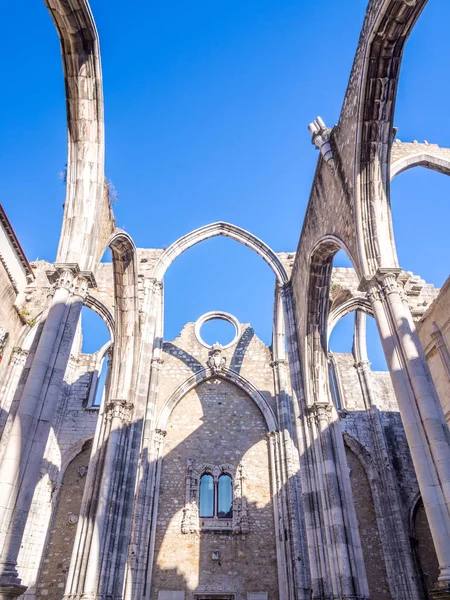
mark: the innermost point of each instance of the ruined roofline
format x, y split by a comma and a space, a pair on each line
14, 240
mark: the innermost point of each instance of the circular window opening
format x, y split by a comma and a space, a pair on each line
217, 331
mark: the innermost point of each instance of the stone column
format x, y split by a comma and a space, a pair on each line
394, 536
16, 365
442, 348
345, 560
297, 580
21, 462
423, 419
139, 567
156, 460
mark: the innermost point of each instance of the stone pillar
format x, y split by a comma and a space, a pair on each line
297, 580
140, 559
156, 460
347, 578
423, 419
146, 494
442, 348
21, 462
16, 365
394, 536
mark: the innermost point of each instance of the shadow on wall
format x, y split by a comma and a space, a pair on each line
62, 530
214, 424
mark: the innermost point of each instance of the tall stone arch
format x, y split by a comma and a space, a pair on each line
227, 230
244, 391
406, 155
88, 220
227, 375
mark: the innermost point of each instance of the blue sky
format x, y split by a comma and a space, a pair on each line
206, 107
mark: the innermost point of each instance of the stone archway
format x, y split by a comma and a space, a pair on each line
221, 229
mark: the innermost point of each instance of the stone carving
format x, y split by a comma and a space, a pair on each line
120, 409
321, 140
82, 471
320, 413
158, 439
18, 356
216, 362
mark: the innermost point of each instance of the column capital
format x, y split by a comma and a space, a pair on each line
319, 412
120, 409
11, 590
158, 439
385, 281
362, 365
280, 362
65, 274
272, 436
18, 355
10, 582
157, 362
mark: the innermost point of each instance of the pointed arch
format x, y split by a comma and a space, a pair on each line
320, 270
226, 230
341, 311
441, 164
102, 310
228, 375
126, 313
88, 218
377, 66
68, 456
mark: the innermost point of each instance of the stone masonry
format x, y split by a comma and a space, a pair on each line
338, 477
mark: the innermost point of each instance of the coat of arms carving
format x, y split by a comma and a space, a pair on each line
216, 362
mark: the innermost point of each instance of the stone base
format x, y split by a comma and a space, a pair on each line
440, 593
12, 590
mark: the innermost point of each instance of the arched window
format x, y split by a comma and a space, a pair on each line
215, 498
225, 497
206, 495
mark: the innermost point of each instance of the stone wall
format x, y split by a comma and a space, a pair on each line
368, 529
426, 554
434, 333
61, 536
216, 423
185, 355
10, 321
359, 429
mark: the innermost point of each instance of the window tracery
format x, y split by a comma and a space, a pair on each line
215, 498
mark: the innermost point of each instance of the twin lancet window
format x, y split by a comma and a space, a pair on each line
216, 497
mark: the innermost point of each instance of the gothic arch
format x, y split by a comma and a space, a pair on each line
88, 218
228, 375
338, 313
221, 229
364, 458
126, 314
28, 335
103, 311
386, 29
441, 164
370, 513
320, 269
70, 454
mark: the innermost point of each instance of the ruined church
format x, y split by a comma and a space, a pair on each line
159, 469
